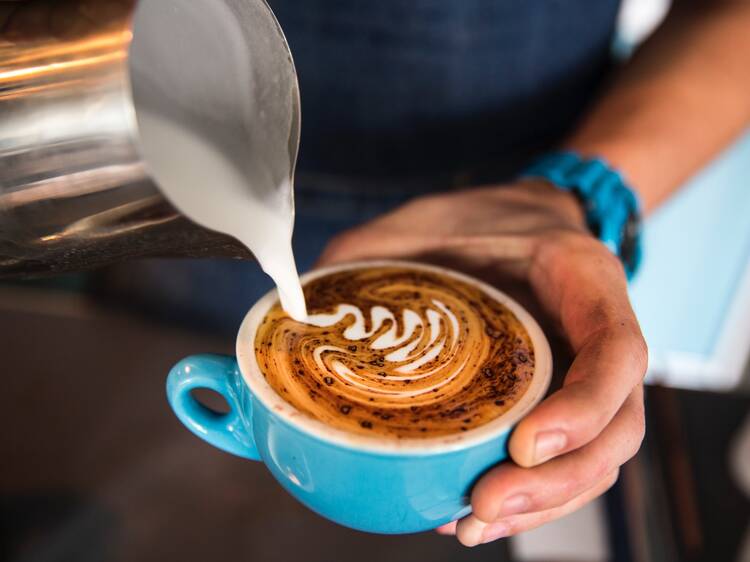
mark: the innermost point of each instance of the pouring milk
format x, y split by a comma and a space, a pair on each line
218, 119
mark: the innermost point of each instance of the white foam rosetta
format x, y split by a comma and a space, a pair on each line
396, 352
422, 339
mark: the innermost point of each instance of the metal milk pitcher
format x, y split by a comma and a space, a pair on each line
75, 190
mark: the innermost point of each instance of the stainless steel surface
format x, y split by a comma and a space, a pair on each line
74, 191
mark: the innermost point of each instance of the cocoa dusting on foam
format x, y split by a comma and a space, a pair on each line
397, 352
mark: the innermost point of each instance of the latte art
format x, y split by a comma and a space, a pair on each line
397, 351
432, 338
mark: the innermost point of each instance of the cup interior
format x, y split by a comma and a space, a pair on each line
255, 380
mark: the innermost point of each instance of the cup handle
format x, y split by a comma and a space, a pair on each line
219, 373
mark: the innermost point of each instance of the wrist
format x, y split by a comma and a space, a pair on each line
611, 208
563, 204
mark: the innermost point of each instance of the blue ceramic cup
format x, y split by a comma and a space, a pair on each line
373, 484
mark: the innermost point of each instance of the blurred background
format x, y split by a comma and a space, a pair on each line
94, 466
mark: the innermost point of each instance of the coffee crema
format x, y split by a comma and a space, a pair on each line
398, 352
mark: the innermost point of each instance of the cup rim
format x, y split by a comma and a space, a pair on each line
274, 403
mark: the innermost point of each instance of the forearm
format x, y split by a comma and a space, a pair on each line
679, 101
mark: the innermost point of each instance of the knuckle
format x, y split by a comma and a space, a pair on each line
627, 334
585, 477
513, 525
490, 490
641, 352
591, 467
640, 435
484, 506
574, 480
569, 487
640, 420
637, 346
637, 443
612, 478
638, 430
601, 468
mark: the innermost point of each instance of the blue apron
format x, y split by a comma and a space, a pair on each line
394, 88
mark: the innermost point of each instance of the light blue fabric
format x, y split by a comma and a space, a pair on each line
696, 248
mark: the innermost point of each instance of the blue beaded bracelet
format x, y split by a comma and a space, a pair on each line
612, 208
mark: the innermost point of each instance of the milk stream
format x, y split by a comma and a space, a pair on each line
208, 189
216, 106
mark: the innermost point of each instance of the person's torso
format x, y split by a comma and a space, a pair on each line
428, 87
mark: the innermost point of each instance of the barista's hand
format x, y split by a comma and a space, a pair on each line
569, 449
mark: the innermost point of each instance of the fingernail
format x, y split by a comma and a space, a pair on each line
495, 531
514, 504
547, 444
470, 531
